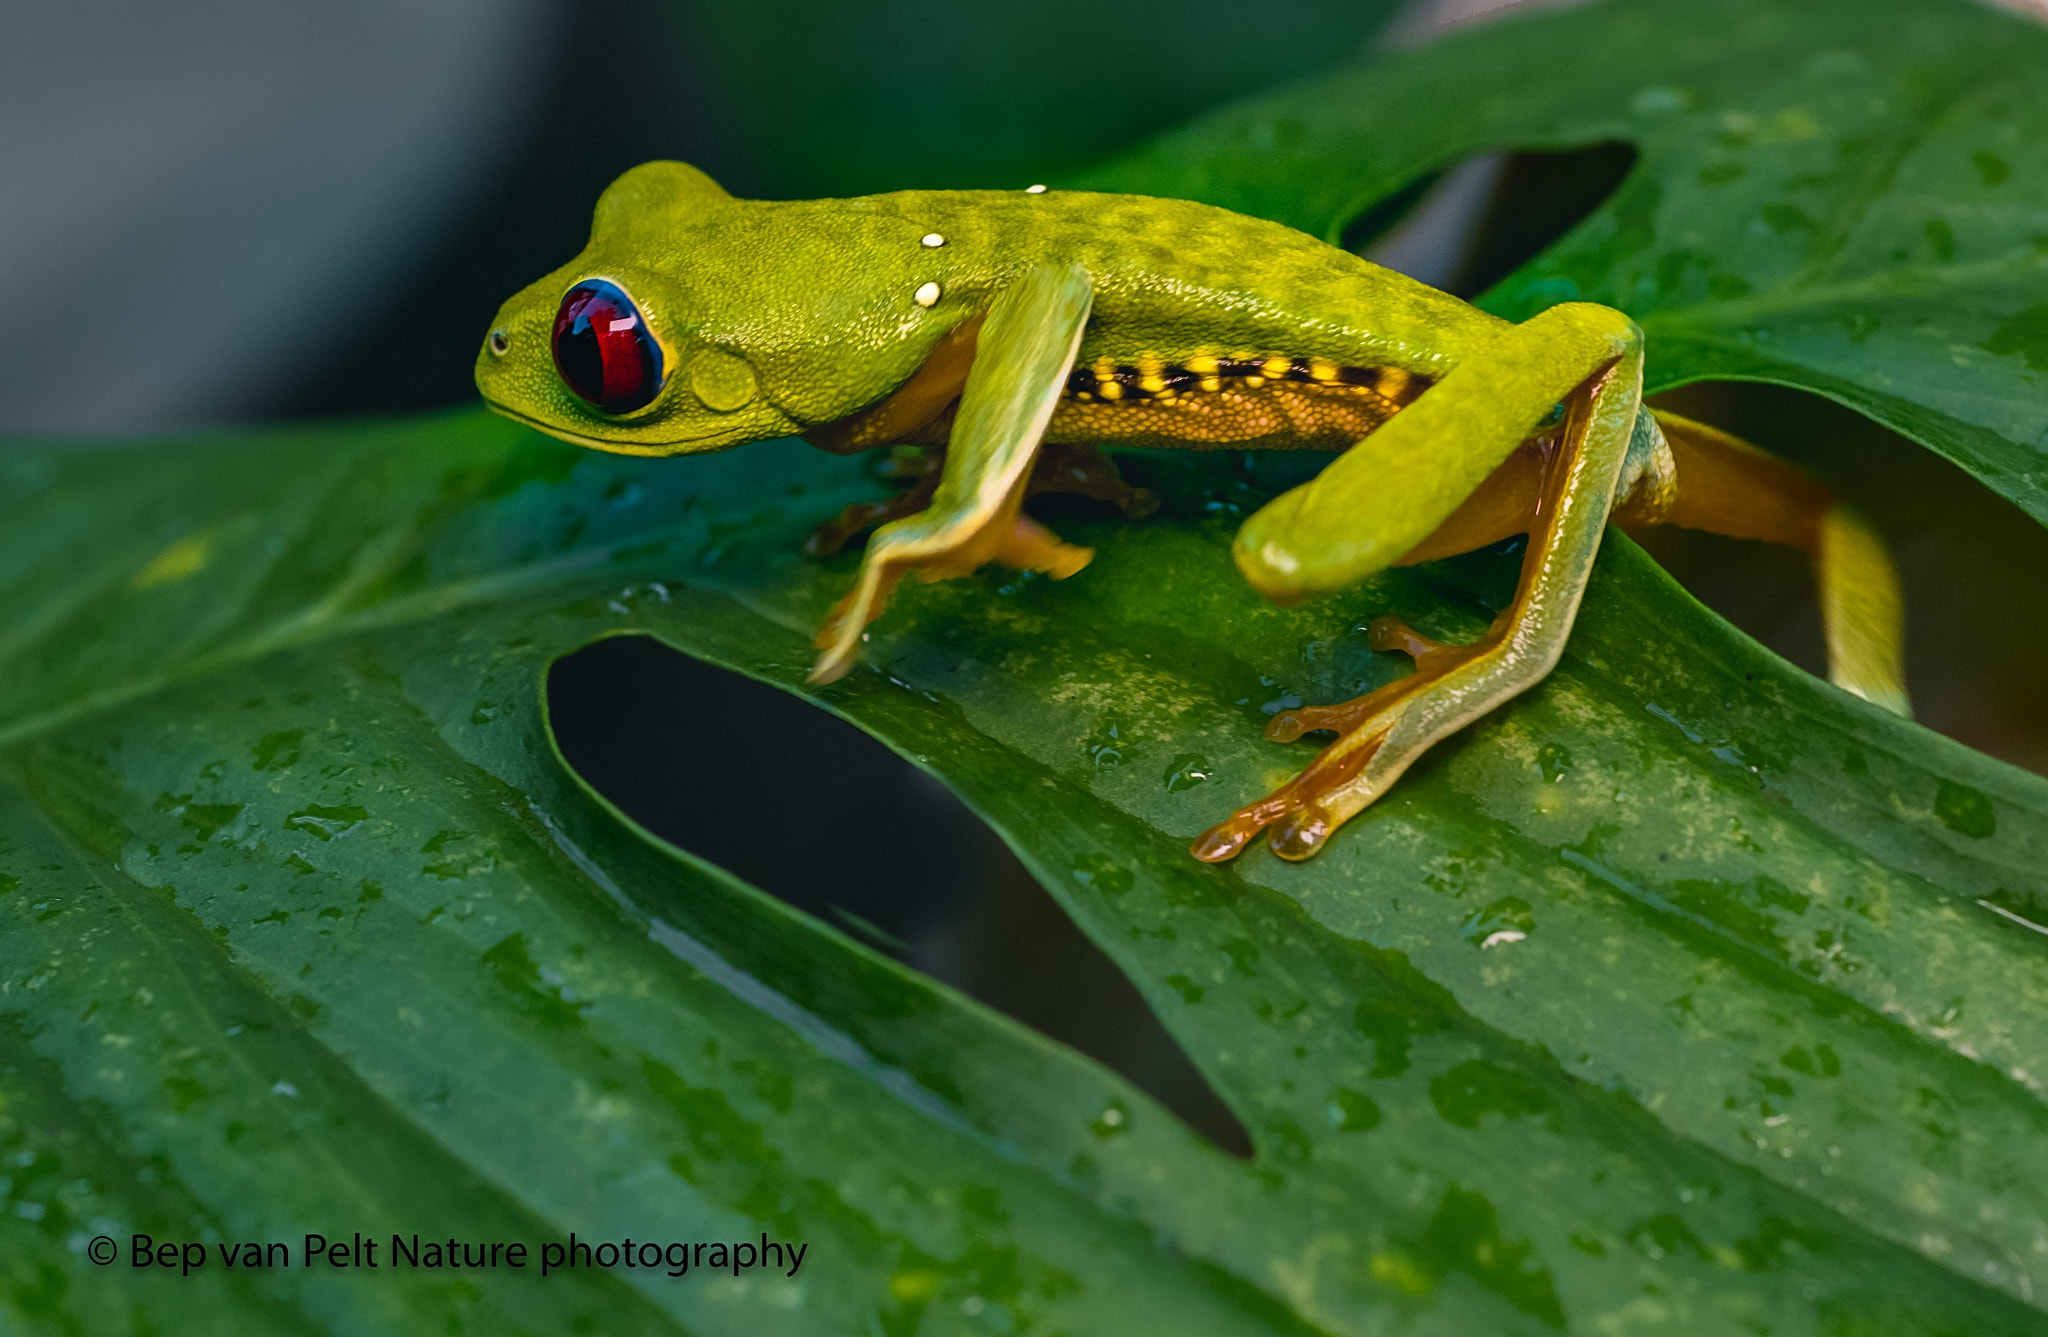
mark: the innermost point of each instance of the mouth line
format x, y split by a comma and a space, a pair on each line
665, 447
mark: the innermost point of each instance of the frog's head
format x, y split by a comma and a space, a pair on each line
621, 348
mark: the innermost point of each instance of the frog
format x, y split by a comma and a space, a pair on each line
1009, 338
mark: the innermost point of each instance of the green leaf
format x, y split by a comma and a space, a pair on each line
1689, 994
309, 931
1846, 196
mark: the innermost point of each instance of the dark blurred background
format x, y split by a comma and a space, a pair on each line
224, 209
227, 210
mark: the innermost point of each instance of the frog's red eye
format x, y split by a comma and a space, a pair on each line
603, 350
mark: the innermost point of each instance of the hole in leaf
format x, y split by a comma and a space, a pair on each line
1381, 220
1541, 196
1470, 226
1974, 567
884, 852
1425, 229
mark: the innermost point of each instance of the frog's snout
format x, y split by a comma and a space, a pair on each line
499, 342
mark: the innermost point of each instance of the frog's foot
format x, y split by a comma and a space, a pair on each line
1303, 812
1018, 542
923, 472
1087, 472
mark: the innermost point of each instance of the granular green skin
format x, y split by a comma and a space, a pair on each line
819, 297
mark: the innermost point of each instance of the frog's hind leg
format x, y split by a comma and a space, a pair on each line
1587, 356
1726, 486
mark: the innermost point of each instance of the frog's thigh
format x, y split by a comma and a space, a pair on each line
1025, 350
1588, 356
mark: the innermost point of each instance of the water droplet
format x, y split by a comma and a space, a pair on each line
1965, 811
1506, 920
206, 819
274, 752
1102, 873
1106, 747
1188, 770
1351, 1111
325, 822
1660, 100
1475, 1088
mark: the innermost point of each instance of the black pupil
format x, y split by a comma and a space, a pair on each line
603, 351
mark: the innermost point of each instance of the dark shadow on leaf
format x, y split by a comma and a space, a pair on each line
861, 839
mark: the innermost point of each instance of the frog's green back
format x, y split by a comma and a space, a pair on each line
1175, 279
836, 303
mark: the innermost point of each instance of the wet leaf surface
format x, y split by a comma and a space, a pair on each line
1689, 991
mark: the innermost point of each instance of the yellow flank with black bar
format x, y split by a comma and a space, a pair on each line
1152, 378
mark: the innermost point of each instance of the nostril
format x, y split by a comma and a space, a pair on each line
500, 342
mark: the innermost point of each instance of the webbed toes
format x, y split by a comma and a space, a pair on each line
1294, 814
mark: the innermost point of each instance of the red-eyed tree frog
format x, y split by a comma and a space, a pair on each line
1018, 332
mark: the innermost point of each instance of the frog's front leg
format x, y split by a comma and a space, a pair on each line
1023, 353
1386, 495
